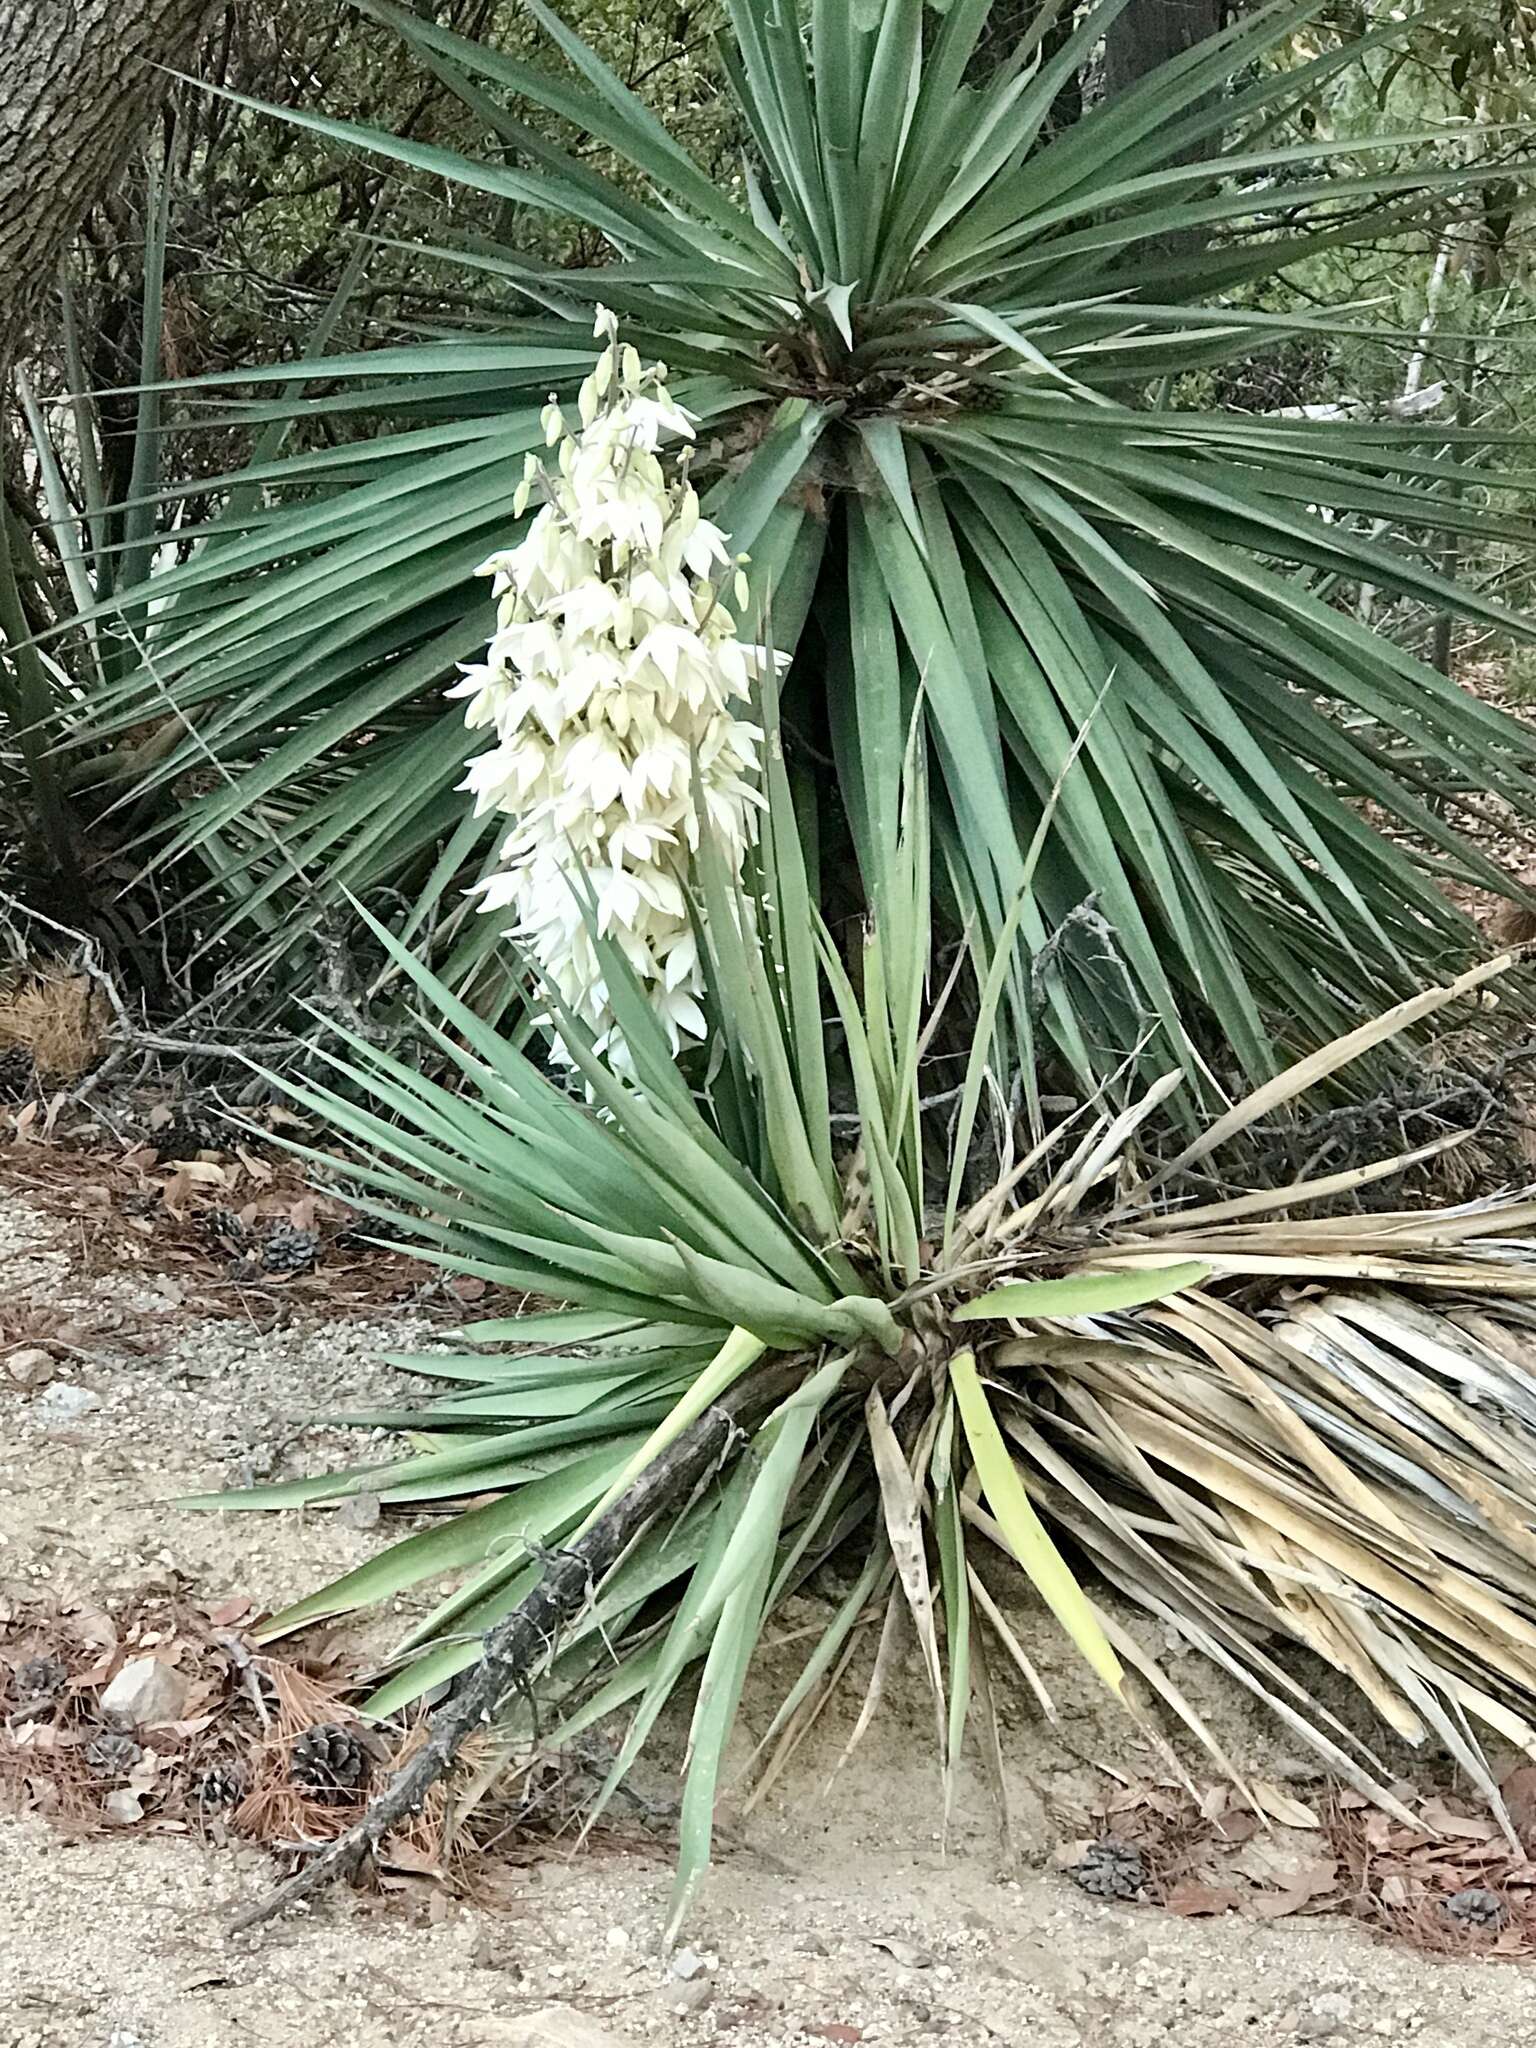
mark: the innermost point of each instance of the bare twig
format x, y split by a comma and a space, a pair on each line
90, 964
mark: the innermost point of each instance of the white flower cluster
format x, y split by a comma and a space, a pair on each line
610, 683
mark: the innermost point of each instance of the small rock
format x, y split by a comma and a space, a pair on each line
124, 1806
30, 1368
361, 1511
688, 1964
691, 1997
618, 1938
907, 1953
145, 1694
63, 1402
812, 1945
1325, 2018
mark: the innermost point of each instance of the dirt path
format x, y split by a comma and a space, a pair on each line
119, 1940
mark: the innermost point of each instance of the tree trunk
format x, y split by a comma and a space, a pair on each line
1149, 32
78, 80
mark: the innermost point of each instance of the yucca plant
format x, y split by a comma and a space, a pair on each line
938, 350
762, 1353
79, 582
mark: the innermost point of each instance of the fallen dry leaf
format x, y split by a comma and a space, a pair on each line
228, 1612
1191, 1900
1471, 1827
1314, 1882
206, 1173
1275, 1802
1519, 1790
402, 1855
1237, 1827
1282, 1865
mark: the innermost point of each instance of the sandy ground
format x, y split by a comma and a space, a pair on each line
121, 1941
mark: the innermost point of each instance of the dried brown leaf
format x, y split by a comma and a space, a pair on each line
1191, 1899
1472, 1827
1277, 1804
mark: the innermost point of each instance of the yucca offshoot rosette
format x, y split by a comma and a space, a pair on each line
928, 336
1265, 1430
615, 683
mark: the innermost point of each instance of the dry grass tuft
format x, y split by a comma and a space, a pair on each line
275, 1809
59, 1016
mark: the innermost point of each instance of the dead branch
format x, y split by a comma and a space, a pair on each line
519, 1645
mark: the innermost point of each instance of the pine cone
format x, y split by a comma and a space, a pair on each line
221, 1786
329, 1762
1476, 1907
113, 1756
366, 1232
40, 1679
288, 1249
18, 1070
1110, 1870
185, 1136
227, 1227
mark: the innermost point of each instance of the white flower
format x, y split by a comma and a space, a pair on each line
614, 684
